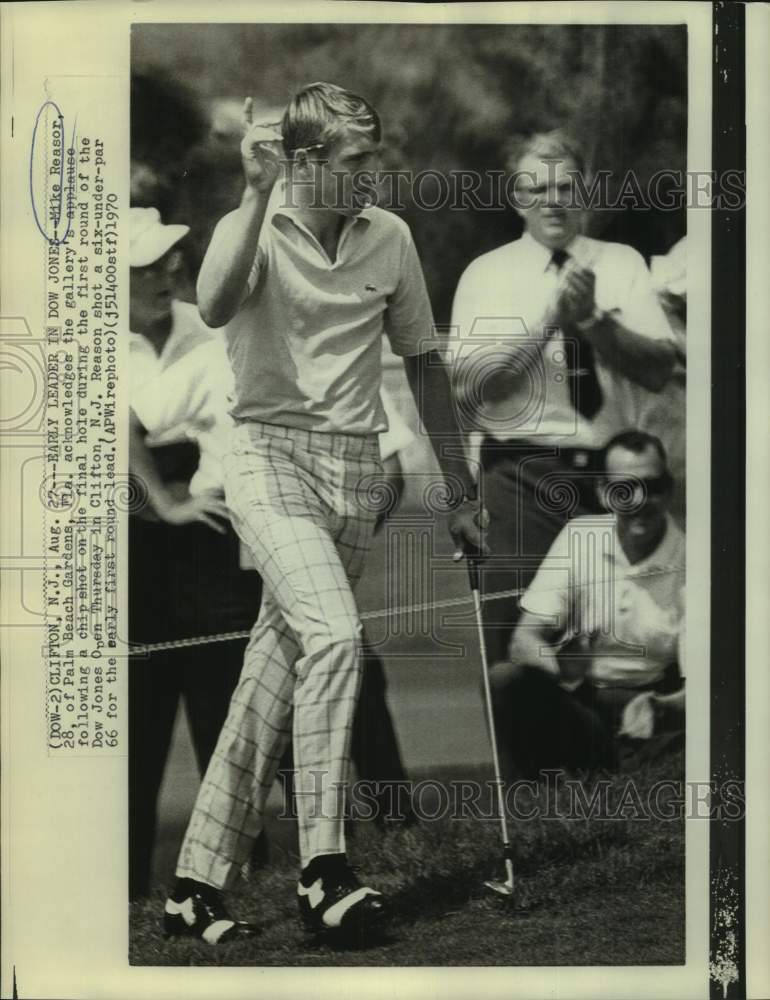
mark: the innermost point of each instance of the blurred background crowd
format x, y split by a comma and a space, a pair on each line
451, 97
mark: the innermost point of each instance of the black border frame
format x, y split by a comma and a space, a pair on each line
727, 840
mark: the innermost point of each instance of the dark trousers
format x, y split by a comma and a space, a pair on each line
530, 493
542, 726
184, 581
374, 749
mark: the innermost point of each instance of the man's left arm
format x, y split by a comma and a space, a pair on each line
675, 701
410, 330
640, 359
432, 392
635, 339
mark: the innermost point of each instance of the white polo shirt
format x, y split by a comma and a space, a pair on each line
190, 398
500, 303
629, 618
305, 345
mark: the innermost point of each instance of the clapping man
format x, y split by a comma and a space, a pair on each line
560, 336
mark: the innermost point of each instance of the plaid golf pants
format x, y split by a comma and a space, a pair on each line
299, 501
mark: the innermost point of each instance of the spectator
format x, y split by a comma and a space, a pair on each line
663, 414
559, 334
597, 652
184, 574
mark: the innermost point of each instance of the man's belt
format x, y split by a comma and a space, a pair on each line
576, 458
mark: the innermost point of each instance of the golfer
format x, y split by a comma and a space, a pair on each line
307, 276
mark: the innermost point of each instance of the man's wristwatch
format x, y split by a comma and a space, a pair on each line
597, 316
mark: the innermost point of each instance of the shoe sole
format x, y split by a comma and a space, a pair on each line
175, 926
354, 924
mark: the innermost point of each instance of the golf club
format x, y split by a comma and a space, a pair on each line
503, 888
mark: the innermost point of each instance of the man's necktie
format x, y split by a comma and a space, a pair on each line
585, 392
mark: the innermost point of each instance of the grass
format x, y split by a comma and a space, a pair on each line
589, 892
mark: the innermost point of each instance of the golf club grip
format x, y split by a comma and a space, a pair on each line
473, 558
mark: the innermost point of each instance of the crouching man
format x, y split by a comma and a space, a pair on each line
597, 654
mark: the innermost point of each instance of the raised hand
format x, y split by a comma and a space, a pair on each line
261, 151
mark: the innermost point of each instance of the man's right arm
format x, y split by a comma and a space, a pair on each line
230, 255
229, 259
493, 352
162, 499
534, 644
545, 615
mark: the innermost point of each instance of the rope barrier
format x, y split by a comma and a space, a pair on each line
395, 612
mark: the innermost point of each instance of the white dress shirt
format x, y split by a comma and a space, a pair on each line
500, 303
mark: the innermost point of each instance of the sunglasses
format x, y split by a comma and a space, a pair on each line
276, 127
622, 492
169, 263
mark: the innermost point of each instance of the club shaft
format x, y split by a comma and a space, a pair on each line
492, 729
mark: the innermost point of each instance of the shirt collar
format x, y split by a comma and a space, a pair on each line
666, 552
277, 206
663, 555
138, 341
578, 247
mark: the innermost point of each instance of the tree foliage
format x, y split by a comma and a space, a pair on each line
452, 97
